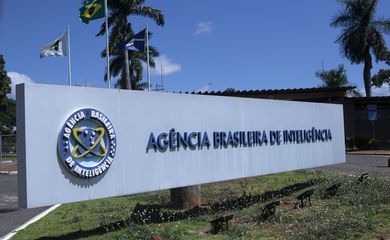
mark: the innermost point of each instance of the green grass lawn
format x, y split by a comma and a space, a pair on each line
358, 211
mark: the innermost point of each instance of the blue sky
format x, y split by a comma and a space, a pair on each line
205, 45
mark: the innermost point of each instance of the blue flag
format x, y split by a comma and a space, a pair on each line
137, 42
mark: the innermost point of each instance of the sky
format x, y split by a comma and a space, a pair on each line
204, 45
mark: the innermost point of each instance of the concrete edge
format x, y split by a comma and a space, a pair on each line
8, 172
369, 153
31, 221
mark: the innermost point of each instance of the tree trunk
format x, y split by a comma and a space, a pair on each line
367, 73
186, 197
127, 70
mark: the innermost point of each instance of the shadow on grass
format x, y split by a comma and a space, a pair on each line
79, 234
149, 214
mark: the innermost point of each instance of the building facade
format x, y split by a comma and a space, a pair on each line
356, 122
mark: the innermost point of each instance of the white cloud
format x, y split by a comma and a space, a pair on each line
203, 27
17, 78
168, 66
382, 91
377, 92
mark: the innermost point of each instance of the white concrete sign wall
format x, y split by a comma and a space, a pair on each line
77, 143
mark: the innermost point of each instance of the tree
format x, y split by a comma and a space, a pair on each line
336, 78
117, 68
333, 78
7, 106
362, 35
121, 31
5, 81
229, 90
383, 76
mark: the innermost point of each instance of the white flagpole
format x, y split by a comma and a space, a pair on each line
69, 66
107, 45
147, 55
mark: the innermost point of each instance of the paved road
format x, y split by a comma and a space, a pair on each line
359, 164
11, 216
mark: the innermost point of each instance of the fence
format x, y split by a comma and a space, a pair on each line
8, 148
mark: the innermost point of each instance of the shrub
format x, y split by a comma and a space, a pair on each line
361, 142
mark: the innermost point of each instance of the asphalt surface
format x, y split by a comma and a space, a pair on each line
359, 164
12, 217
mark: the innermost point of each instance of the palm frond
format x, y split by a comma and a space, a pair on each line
378, 45
151, 13
333, 78
383, 76
382, 25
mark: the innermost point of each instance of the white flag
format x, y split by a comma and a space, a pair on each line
55, 48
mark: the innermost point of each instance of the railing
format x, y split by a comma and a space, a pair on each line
8, 148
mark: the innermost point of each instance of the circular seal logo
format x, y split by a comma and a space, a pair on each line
87, 143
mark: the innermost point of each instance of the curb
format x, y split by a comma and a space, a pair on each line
8, 172
368, 153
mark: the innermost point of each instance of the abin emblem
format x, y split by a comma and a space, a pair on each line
87, 143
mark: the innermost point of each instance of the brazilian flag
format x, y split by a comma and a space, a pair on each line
92, 11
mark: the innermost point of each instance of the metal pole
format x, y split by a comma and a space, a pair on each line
69, 66
147, 56
161, 80
127, 70
107, 45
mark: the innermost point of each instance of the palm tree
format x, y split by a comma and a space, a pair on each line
336, 78
362, 35
333, 78
120, 31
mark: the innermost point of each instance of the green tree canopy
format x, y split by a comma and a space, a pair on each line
336, 78
362, 35
383, 76
5, 81
333, 78
7, 106
229, 90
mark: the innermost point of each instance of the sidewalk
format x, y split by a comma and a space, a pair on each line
370, 152
8, 167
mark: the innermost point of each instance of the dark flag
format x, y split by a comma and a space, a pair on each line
137, 42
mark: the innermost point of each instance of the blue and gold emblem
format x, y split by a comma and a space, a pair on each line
87, 143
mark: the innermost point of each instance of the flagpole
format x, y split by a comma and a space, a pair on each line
69, 66
147, 56
127, 70
107, 45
